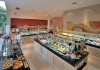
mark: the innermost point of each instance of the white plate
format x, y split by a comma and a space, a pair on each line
77, 58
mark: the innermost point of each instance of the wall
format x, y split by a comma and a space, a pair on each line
57, 23
83, 19
23, 21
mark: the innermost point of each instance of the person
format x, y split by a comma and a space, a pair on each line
83, 45
1, 43
17, 29
18, 38
71, 47
50, 31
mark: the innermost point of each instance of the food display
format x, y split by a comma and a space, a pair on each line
92, 43
29, 33
89, 41
33, 33
61, 48
25, 64
14, 60
7, 63
17, 64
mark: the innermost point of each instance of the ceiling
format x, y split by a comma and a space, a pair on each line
45, 7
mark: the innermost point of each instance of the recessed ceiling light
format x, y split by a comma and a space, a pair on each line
74, 3
81, 2
17, 8
15, 13
83, 5
32, 10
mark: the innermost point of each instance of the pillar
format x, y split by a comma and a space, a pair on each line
49, 22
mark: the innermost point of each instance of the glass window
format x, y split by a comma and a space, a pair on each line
2, 6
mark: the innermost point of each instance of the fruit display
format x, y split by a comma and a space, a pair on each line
7, 63
17, 64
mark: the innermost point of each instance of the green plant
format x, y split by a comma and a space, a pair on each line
2, 17
2, 9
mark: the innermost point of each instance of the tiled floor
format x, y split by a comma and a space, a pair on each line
37, 63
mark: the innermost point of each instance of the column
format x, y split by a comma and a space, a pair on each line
49, 22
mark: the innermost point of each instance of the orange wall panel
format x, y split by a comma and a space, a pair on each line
22, 21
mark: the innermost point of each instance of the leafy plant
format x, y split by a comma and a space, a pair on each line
2, 9
2, 18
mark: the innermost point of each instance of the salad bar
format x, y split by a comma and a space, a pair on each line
75, 59
91, 42
33, 33
29, 36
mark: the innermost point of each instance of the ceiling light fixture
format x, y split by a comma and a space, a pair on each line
81, 2
17, 8
74, 3
32, 10
15, 13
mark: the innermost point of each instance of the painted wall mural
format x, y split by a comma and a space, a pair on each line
83, 28
95, 24
85, 19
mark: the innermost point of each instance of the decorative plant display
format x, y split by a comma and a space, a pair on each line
2, 17
3, 27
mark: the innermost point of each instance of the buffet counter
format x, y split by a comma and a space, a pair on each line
92, 44
59, 60
13, 57
29, 36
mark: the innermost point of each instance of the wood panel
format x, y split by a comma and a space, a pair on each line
57, 22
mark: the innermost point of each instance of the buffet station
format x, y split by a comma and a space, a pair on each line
62, 54
12, 57
92, 42
29, 36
